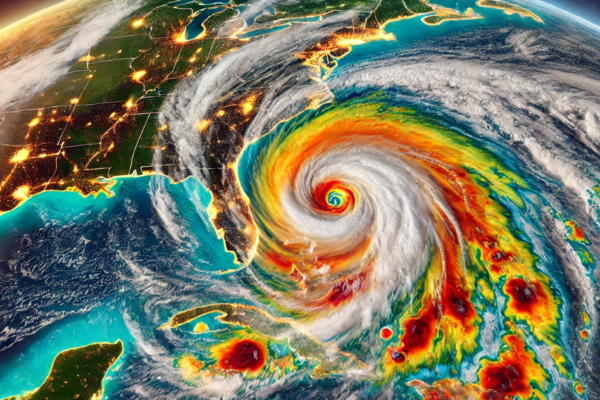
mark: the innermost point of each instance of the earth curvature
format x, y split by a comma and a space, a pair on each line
347, 199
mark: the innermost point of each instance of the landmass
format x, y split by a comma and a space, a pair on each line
515, 374
330, 360
77, 373
320, 8
100, 120
448, 14
509, 9
41, 29
392, 10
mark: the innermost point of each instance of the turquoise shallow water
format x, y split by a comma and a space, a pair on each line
26, 364
26, 369
196, 252
260, 32
316, 18
412, 31
63, 208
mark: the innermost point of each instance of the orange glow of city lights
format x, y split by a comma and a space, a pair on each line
34, 122
87, 58
138, 75
180, 38
20, 156
202, 125
22, 193
138, 23
248, 105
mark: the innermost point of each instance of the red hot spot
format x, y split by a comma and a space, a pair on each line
245, 355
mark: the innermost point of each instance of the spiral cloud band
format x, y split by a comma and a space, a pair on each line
315, 199
438, 214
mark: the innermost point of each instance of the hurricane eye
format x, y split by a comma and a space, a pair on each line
333, 197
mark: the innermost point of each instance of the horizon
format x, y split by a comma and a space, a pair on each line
13, 11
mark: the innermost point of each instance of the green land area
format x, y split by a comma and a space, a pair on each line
77, 373
101, 119
389, 10
509, 8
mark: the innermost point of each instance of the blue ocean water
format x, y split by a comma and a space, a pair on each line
95, 269
411, 32
26, 366
85, 265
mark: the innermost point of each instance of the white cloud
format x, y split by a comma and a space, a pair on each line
30, 76
269, 63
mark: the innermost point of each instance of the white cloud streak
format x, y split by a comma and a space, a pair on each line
30, 76
269, 62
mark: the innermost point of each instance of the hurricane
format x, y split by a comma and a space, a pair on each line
375, 212
336, 201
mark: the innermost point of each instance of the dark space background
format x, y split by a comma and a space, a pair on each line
13, 10
586, 9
